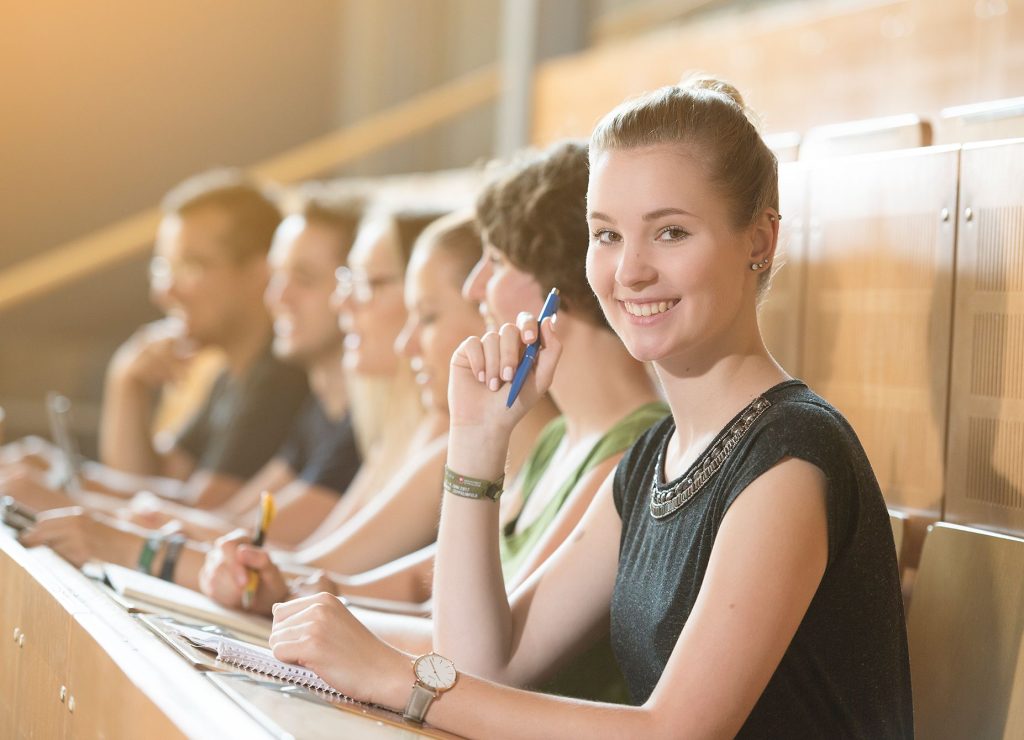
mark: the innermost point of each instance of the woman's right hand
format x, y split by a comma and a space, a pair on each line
226, 572
482, 369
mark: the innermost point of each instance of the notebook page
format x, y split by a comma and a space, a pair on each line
134, 585
261, 660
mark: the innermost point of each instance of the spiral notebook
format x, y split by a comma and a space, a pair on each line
256, 659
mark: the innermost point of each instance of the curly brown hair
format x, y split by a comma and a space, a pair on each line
535, 213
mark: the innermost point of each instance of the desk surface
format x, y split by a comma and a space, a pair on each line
199, 704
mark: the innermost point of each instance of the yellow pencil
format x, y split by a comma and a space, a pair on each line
267, 511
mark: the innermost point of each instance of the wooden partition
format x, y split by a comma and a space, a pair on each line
864, 137
985, 482
75, 664
878, 309
987, 121
805, 64
965, 624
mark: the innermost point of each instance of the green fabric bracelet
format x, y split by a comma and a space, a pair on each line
174, 545
148, 554
466, 487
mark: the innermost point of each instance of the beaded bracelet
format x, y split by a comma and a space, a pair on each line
149, 550
476, 488
174, 545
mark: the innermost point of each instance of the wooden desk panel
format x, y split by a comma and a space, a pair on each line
878, 309
120, 680
985, 484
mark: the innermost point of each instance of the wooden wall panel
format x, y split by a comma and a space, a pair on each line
780, 314
985, 484
44, 655
878, 308
964, 627
805, 64
107, 704
11, 580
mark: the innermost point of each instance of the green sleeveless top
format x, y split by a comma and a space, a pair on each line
516, 547
594, 674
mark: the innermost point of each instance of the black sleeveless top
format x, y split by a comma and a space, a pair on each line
847, 672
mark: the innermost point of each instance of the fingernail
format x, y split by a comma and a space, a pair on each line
493, 385
554, 319
506, 374
528, 335
480, 376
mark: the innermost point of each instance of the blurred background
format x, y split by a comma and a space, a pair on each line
107, 105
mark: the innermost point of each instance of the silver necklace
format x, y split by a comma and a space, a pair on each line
667, 497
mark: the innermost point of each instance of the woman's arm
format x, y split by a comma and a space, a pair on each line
765, 567
400, 519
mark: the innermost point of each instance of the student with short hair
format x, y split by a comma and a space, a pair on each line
210, 265
741, 551
210, 272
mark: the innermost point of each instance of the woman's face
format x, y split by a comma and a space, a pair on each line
302, 259
439, 319
670, 271
501, 289
368, 298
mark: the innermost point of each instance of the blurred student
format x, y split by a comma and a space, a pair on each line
439, 317
533, 216
318, 459
210, 271
741, 552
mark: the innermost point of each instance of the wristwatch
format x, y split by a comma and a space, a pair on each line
435, 674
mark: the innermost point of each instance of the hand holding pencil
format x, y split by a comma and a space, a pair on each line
266, 515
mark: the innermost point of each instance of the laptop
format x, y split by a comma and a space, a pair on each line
64, 473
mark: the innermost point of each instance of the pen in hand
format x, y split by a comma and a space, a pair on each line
530, 356
267, 511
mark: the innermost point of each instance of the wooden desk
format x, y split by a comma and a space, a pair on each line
75, 664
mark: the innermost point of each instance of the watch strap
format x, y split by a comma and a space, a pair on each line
419, 703
477, 488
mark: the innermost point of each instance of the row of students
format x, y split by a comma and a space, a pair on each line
738, 556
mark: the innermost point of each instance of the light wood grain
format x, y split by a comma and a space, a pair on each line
878, 305
803, 64
985, 483
965, 624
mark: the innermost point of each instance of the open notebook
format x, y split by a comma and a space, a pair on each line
163, 595
254, 658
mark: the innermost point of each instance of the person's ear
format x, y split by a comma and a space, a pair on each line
764, 237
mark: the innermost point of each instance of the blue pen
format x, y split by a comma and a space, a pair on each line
530, 356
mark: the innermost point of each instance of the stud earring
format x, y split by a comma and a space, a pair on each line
759, 265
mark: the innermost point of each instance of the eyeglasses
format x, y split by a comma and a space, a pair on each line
362, 287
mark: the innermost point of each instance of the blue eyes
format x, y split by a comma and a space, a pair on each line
667, 234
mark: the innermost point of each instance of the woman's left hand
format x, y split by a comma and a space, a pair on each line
319, 633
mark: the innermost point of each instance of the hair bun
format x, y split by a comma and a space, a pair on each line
714, 85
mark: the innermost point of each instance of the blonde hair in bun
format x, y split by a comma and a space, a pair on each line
710, 116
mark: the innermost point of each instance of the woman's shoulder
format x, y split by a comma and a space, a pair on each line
797, 416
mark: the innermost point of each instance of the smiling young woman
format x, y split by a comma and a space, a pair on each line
741, 549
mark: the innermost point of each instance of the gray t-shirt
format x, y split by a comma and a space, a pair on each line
847, 671
244, 420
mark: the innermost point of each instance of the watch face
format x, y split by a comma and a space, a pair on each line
435, 671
